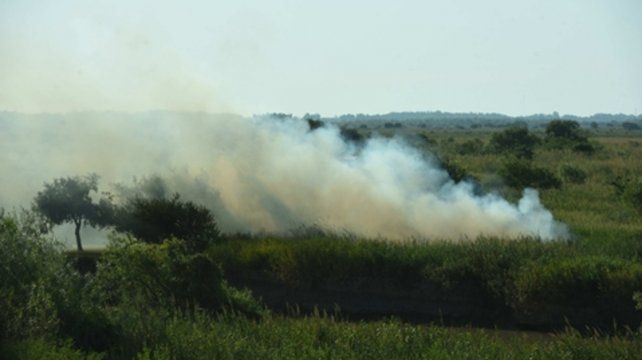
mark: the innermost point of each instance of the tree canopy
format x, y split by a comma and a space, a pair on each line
566, 129
69, 200
516, 141
154, 220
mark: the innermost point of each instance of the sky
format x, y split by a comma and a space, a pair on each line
328, 57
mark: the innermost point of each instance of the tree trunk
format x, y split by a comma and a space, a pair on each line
77, 232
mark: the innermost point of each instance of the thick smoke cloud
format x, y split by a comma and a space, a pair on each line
262, 174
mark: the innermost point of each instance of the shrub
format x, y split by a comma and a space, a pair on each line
470, 147
520, 174
622, 181
562, 134
568, 286
564, 129
352, 135
579, 146
41, 295
153, 220
143, 286
167, 276
30, 270
393, 125
584, 147
515, 141
628, 187
573, 174
427, 140
633, 195
630, 126
457, 172
314, 124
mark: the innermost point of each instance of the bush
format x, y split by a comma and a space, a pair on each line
562, 134
622, 181
584, 147
564, 129
566, 287
143, 286
457, 172
514, 141
393, 125
41, 295
314, 124
521, 174
628, 187
494, 275
470, 147
573, 174
167, 276
31, 268
579, 146
633, 195
153, 220
352, 135
630, 126
427, 140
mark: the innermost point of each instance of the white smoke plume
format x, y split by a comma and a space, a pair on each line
263, 174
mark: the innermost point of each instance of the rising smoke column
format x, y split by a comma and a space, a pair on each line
265, 175
286, 175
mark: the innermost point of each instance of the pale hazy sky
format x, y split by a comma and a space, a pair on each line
330, 57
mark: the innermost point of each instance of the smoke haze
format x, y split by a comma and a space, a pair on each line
262, 174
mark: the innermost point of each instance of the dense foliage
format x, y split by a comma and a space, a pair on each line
69, 200
153, 220
562, 134
515, 141
521, 174
537, 282
136, 288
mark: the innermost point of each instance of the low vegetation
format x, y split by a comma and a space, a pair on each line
523, 281
149, 301
169, 285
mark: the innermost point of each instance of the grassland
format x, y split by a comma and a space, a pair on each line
588, 280
322, 337
153, 301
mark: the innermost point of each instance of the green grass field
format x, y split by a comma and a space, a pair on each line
322, 337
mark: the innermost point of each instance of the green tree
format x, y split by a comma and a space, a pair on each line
630, 126
457, 172
521, 174
516, 141
567, 134
154, 220
564, 129
69, 200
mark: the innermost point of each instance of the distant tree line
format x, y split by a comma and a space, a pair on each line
439, 119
